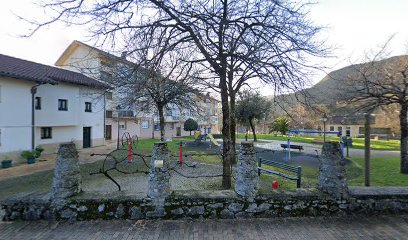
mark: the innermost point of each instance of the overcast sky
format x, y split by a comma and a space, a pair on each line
354, 26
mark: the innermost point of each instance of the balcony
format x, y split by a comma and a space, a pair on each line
126, 114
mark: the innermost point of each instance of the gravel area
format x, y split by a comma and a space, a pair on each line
182, 178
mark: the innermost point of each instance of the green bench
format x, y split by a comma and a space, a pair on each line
297, 176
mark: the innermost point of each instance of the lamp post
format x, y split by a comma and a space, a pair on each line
324, 126
118, 109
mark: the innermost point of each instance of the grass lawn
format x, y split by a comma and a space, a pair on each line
146, 145
358, 143
384, 172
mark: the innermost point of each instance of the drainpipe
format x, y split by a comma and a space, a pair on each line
104, 117
33, 92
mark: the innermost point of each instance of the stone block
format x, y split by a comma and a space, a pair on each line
247, 171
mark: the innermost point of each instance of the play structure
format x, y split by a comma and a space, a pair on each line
203, 137
288, 146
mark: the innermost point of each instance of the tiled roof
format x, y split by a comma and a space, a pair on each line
349, 120
32, 71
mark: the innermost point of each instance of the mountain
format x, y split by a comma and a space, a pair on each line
339, 84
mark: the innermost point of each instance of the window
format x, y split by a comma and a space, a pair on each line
348, 131
109, 95
145, 124
331, 128
156, 127
108, 114
62, 105
126, 114
122, 125
88, 107
37, 103
46, 132
339, 129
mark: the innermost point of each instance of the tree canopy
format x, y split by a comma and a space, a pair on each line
280, 124
250, 108
190, 125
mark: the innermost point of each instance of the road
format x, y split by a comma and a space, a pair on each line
311, 149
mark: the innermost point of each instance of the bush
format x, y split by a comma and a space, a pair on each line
32, 154
28, 154
37, 151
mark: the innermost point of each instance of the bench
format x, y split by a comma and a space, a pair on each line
299, 147
291, 169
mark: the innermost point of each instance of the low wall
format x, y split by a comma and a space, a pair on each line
214, 204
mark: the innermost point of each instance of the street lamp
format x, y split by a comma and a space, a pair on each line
118, 109
324, 126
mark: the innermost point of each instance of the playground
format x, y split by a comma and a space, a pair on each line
205, 156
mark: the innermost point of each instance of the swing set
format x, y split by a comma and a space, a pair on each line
297, 131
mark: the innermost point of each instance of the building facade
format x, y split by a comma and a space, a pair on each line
101, 65
353, 126
44, 105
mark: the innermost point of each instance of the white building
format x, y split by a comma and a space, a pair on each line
100, 65
64, 105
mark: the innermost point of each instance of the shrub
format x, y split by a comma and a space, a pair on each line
190, 125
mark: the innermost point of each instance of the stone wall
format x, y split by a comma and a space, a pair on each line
67, 177
159, 177
247, 171
215, 204
331, 178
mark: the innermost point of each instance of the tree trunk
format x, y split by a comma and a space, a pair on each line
161, 117
367, 135
404, 137
226, 132
190, 133
252, 128
233, 122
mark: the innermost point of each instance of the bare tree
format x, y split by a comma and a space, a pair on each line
158, 77
233, 41
382, 82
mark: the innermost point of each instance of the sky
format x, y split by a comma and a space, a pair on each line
352, 27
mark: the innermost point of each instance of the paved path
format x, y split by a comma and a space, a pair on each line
47, 162
357, 227
310, 149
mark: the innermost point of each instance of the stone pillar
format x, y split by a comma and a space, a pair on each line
67, 177
332, 174
159, 177
247, 171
